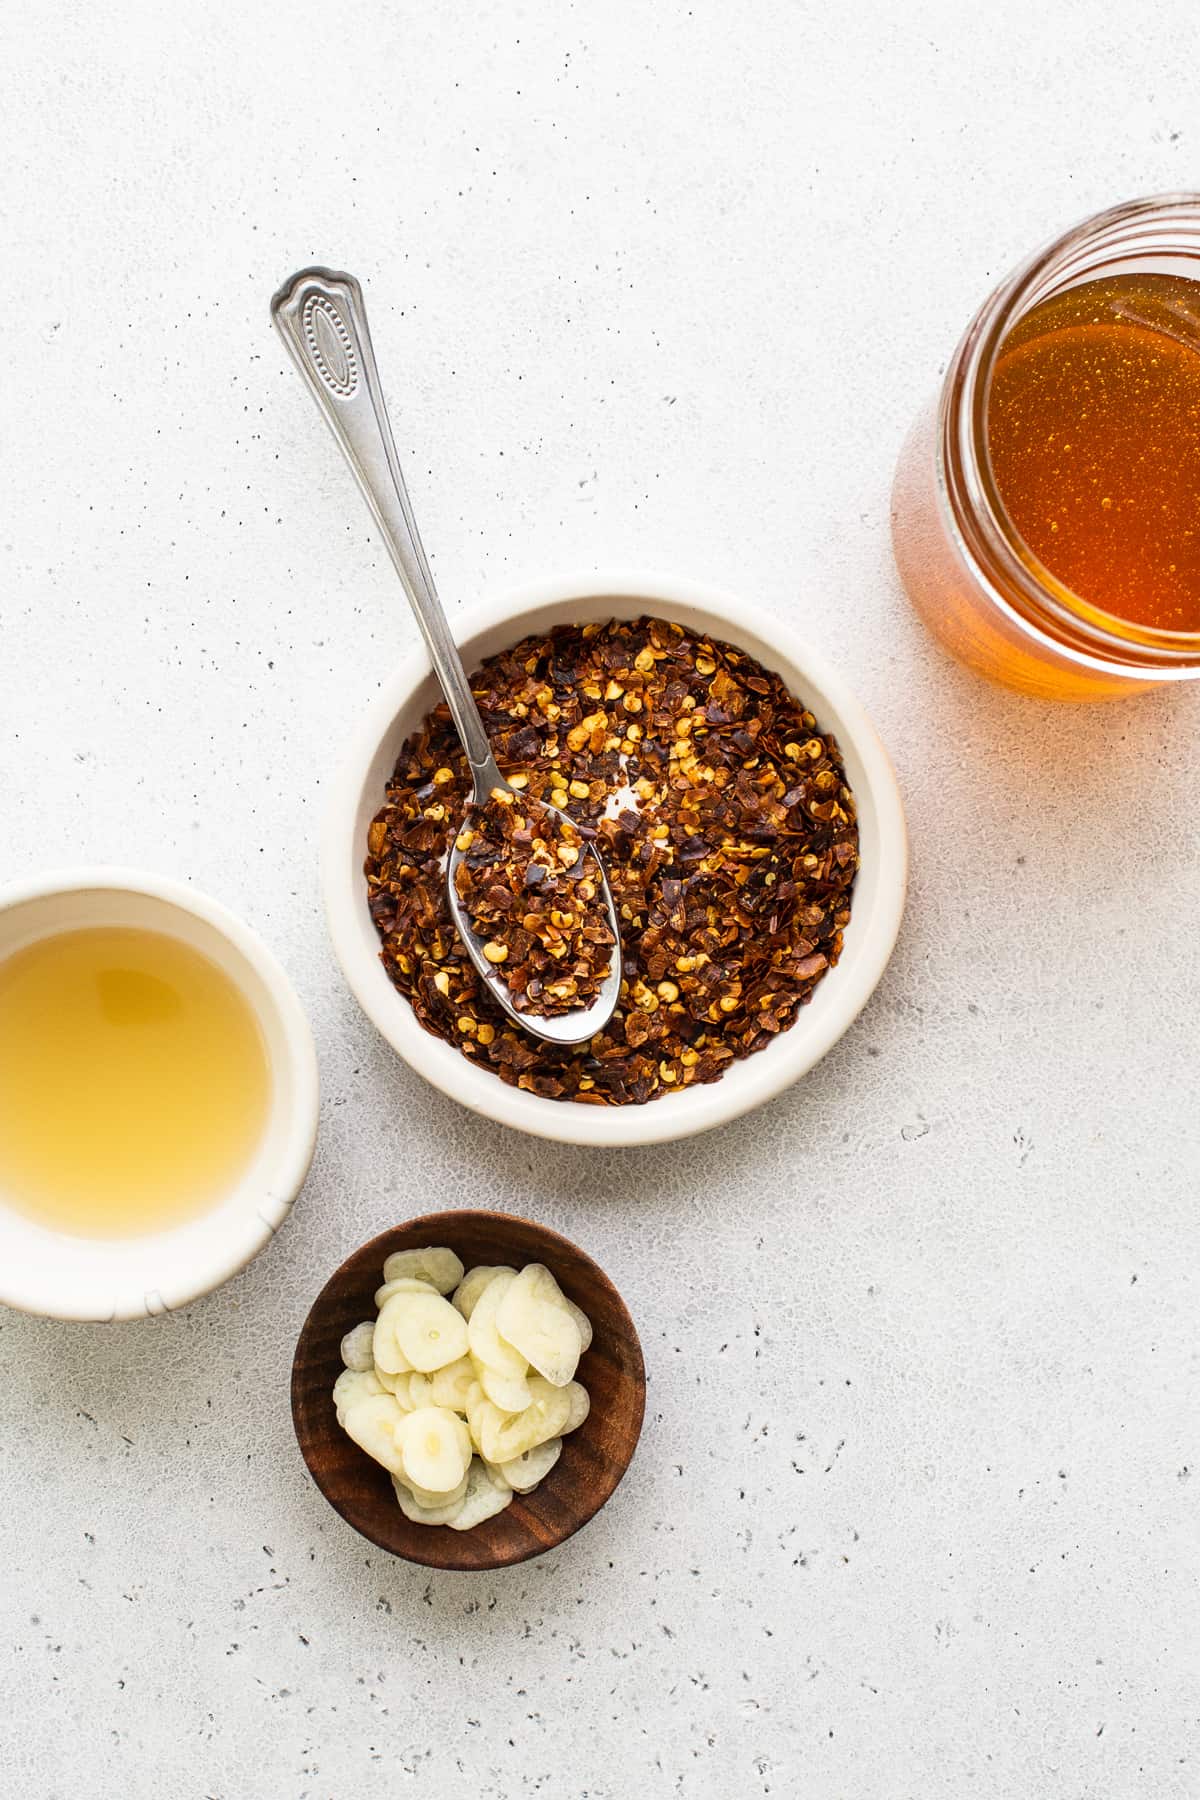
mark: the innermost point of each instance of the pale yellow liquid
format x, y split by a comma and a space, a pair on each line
134, 1082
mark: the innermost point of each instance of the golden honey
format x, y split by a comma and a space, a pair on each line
1046, 507
1093, 429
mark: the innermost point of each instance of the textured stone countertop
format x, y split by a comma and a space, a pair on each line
914, 1516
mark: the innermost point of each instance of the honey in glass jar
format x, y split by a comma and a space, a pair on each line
1046, 512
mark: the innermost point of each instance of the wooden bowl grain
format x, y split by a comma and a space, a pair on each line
593, 1459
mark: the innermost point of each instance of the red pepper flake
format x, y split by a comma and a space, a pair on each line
727, 829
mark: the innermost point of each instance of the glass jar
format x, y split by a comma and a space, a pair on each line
968, 572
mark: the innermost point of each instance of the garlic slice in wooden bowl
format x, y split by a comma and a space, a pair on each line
594, 1455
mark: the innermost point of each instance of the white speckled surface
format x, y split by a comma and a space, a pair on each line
914, 1515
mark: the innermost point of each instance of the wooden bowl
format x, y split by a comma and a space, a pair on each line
593, 1459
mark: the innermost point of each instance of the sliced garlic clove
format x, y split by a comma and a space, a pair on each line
485, 1498
389, 1357
397, 1386
435, 1448
428, 1332
510, 1394
420, 1391
418, 1324
581, 1405
469, 1289
523, 1473
403, 1285
557, 1403
424, 1496
484, 1339
503, 1436
532, 1316
441, 1267
583, 1323
496, 1473
475, 1400
357, 1352
450, 1386
352, 1385
374, 1423
426, 1515
490, 1430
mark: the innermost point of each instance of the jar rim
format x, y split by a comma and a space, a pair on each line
1057, 616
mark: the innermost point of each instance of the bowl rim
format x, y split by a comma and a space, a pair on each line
255, 1225
439, 1538
748, 1083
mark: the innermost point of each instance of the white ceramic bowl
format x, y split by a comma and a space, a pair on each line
66, 1277
404, 700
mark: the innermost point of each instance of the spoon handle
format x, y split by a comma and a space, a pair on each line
321, 317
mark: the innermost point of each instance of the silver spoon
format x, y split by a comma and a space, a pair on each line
322, 319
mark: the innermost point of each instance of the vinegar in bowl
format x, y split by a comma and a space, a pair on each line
134, 1082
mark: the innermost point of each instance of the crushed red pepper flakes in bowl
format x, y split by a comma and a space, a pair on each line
727, 829
532, 897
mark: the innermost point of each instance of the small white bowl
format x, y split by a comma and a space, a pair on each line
67, 1277
358, 793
